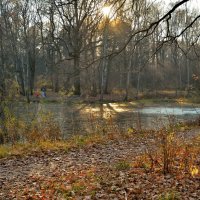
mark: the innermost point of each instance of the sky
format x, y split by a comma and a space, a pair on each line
192, 3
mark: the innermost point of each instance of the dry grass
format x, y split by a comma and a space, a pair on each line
78, 141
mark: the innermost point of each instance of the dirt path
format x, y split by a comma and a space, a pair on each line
51, 175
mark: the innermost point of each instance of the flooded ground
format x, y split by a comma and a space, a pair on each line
80, 118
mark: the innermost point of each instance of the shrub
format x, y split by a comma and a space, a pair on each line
43, 128
13, 129
122, 165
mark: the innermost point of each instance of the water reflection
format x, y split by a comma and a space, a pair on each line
170, 111
89, 118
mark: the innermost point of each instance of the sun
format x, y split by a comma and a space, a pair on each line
106, 11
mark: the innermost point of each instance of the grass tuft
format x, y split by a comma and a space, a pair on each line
173, 195
4, 151
122, 165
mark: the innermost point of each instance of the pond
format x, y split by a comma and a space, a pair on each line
89, 118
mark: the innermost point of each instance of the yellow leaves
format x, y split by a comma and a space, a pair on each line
194, 170
62, 93
4, 151
171, 137
180, 101
130, 130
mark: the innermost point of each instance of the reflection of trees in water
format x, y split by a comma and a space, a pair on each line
83, 118
27, 112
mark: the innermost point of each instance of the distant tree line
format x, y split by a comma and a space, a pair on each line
71, 45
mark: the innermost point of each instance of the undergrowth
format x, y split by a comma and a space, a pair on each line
165, 149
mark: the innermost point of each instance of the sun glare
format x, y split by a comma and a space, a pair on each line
106, 11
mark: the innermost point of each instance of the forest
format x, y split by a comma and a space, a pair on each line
81, 48
99, 99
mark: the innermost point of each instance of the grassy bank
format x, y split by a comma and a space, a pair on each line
43, 133
149, 164
36, 145
79, 141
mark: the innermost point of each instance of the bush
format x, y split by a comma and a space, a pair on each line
12, 128
42, 128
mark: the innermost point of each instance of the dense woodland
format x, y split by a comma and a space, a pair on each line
80, 144
74, 46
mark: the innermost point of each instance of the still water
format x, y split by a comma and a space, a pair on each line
89, 118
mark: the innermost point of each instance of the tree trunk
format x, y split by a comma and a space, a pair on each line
56, 84
20, 77
2, 95
188, 75
77, 86
104, 69
138, 82
32, 72
128, 78
107, 75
